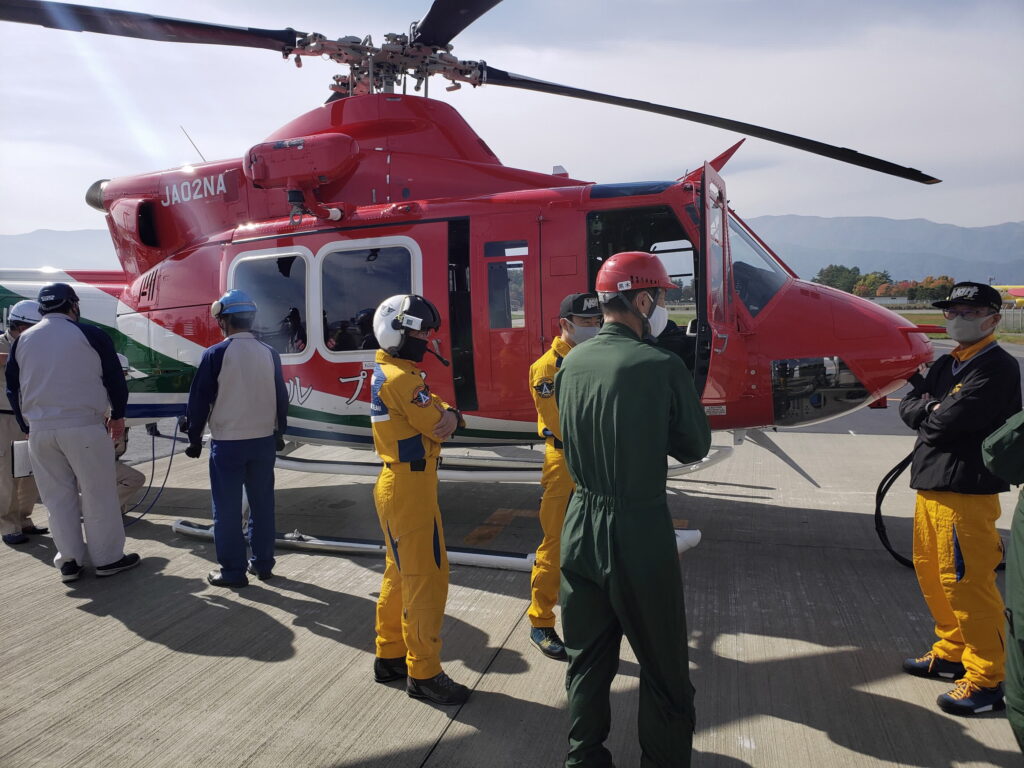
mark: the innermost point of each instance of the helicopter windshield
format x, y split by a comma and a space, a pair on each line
755, 274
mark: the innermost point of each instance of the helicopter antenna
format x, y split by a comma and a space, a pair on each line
192, 142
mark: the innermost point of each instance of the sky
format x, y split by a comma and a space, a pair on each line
932, 84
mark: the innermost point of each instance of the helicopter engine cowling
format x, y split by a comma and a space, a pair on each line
301, 165
306, 162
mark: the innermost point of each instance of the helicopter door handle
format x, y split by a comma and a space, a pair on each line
724, 337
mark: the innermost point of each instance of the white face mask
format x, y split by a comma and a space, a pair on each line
658, 320
967, 331
580, 333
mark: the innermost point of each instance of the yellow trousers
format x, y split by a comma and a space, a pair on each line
545, 577
956, 551
414, 590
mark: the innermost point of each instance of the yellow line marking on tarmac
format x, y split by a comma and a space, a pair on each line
495, 524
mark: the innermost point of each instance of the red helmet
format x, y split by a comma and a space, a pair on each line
631, 270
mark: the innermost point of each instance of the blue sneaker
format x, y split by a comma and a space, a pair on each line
549, 642
968, 699
934, 666
14, 539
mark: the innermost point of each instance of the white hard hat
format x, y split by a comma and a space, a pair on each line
399, 313
25, 311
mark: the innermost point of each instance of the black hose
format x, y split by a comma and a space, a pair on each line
170, 461
883, 488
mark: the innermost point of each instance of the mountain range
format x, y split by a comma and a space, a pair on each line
910, 249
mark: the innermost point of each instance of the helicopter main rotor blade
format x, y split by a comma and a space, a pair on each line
106, 21
495, 76
447, 18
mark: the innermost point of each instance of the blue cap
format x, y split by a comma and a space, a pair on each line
232, 303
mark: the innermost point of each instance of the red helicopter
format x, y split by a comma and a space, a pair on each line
379, 192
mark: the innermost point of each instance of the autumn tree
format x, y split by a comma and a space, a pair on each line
838, 276
868, 284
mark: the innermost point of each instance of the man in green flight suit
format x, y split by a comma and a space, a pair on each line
624, 405
1003, 454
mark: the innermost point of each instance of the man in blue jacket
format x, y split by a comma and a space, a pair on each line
240, 391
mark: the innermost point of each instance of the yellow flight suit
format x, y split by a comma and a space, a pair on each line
555, 481
413, 592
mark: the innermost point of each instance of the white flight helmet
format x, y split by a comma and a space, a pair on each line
399, 313
25, 311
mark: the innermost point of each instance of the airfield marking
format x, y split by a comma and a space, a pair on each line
492, 527
495, 524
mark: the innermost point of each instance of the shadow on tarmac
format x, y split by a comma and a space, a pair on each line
793, 612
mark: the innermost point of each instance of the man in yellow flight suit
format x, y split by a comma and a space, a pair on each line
579, 318
409, 424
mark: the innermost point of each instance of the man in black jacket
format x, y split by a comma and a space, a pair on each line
966, 395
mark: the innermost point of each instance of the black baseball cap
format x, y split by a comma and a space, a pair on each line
972, 294
581, 305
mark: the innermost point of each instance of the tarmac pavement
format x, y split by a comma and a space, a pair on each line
799, 622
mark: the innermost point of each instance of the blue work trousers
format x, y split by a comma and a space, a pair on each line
234, 464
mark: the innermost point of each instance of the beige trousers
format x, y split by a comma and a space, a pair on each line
17, 494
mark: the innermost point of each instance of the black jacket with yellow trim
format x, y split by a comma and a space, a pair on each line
973, 399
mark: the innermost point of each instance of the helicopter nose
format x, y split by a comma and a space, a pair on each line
867, 353
883, 349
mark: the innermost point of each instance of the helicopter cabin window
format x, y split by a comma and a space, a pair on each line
505, 294
755, 274
354, 283
278, 286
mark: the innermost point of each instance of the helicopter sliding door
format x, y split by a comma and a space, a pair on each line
506, 309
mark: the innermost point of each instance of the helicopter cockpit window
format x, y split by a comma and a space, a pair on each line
278, 286
354, 283
505, 294
755, 275
637, 229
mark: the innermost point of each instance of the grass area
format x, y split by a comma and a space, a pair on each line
916, 317
936, 318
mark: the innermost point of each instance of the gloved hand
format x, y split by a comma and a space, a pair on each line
193, 450
278, 441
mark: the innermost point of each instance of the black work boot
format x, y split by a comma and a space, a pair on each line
387, 670
439, 689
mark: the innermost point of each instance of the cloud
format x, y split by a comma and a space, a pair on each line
931, 85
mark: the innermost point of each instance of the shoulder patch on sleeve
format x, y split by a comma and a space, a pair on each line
421, 396
545, 387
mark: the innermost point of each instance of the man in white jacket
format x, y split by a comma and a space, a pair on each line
62, 378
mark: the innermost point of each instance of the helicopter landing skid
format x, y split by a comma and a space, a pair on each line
490, 469
481, 558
